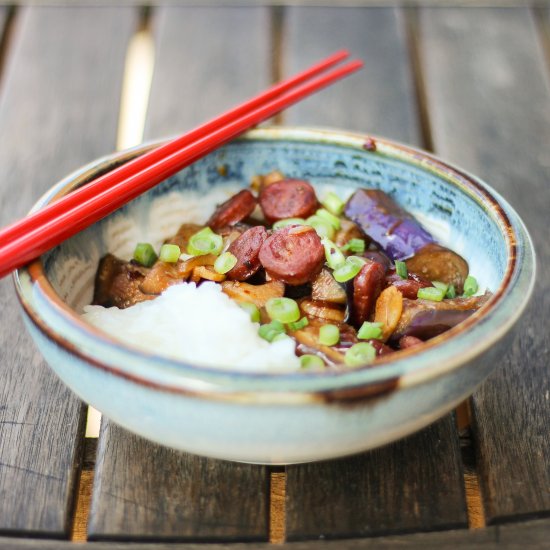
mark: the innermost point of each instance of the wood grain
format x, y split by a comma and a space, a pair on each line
416, 484
58, 110
530, 534
143, 490
488, 90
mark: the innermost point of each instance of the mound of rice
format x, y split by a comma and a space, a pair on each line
200, 325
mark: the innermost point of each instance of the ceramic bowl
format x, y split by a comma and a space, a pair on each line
282, 418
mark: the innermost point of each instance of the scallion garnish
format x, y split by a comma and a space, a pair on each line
297, 325
310, 361
451, 292
271, 330
370, 331
333, 203
252, 310
321, 226
169, 253
442, 286
333, 254
205, 241
324, 214
431, 293
360, 354
470, 286
285, 310
225, 262
349, 269
144, 254
288, 221
357, 246
401, 269
329, 335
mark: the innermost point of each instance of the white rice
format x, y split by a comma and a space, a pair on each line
200, 325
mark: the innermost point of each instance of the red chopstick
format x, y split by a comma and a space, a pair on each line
143, 161
67, 221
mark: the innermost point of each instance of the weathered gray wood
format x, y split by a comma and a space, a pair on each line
531, 534
58, 110
207, 59
380, 99
489, 99
416, 484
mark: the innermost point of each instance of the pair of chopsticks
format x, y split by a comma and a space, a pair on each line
30, 237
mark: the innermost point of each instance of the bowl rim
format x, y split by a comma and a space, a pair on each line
412, 367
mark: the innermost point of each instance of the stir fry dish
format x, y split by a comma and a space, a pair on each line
348, 281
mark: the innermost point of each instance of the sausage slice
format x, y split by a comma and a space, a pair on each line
288, 199
246, 249
294, 254
233, 210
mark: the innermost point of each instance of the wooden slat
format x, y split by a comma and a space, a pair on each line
531, 534
58, 110
143, 490
380, 99
415, 484
489, 99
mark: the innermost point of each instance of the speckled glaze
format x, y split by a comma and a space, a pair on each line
282, 418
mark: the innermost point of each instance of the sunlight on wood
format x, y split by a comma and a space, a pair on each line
277, 509
138, 74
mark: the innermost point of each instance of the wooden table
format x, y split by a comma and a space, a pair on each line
471, 84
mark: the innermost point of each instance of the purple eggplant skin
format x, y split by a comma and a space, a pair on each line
430, 323
426, 319
386, 223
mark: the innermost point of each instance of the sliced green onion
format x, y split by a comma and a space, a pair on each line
144, 254
280, 336
451, 292
329, 335
401, 269
357, 246
169, 253
271, 330
225, 262
370, 331
470, 286
333, 254
205, 242
285, 310
321, 226
252, 310
310, 361
441, 286
288, 221
360, 354
349, 269
297, 325
333, 203
431, 293
324, 214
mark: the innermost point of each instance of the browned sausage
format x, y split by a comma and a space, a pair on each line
437, 263
288, 199
233, 210
410, 286
364, 289
409, 342
247, 250
294, 254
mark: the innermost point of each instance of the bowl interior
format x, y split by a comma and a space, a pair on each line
454, 213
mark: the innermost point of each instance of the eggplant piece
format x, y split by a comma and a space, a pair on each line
257, 294
118, 283
403, 238
437, 263
386, 223
425, 319
327, 311
349, 230
325, 288
185, 232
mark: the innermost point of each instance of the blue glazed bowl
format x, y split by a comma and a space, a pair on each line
282, 418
